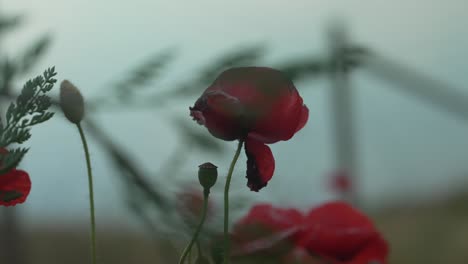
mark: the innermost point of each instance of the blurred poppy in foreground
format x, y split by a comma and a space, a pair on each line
189, 205
333, 233
14, 187
257, 105
340, 182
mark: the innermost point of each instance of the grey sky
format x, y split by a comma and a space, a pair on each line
407, 149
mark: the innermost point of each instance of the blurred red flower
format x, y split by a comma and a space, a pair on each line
15, 186
256, 104
340, 182
341, 234
189, 204
333, 233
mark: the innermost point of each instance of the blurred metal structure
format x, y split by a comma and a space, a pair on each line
417, 84
345, 56
342, 110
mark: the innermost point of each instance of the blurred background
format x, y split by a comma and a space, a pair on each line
385, 83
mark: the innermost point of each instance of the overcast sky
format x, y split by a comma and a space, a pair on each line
407, 148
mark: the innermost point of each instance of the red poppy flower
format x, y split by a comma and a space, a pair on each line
256, 104
189, 204
15, 186
334, 233
342, 235
265, 227
340, 182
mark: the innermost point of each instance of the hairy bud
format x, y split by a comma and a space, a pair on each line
71, 102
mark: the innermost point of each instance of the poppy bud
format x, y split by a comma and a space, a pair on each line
207, 175
71, 102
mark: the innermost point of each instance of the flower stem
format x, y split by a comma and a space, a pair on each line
198, 249
91, 193
199, 227
226, 203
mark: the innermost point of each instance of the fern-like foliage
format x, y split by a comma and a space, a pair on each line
29, 109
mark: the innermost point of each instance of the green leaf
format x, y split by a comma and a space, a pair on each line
8, 23
11, 159
10, 112
33, 53
29, 109
7, 71
298, 69
201, 139
147, 71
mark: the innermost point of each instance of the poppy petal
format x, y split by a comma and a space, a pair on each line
266, 228
260, 164
376, 252
303, 118
15, 186
259, 100
336, 230
273, 217
220, 113
282, 120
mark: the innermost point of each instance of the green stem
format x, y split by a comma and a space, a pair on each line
91, 193
199, 251
199, 227
226, 203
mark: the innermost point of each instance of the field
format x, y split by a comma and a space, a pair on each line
429, 233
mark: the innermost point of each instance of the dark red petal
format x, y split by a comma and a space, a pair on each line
273, 217
271, 104
337, 231
304, 116
220, 113
260, 164
376, 251
282, 120
15, 186
253, 86
266, 228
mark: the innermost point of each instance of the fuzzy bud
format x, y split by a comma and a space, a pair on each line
207, 175
71, 102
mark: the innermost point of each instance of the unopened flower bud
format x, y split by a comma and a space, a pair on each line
207, 175
72, 102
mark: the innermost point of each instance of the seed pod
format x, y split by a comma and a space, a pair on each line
207, 175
